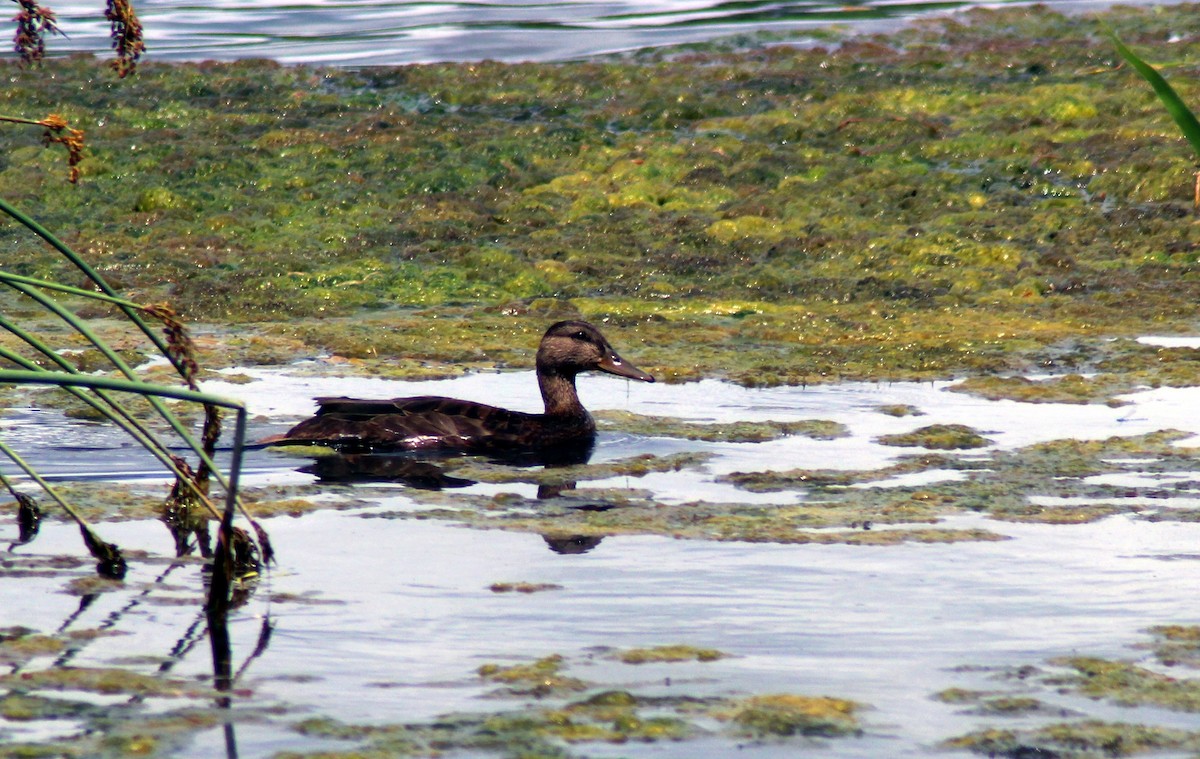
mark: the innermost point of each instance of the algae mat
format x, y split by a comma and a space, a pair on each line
989, 192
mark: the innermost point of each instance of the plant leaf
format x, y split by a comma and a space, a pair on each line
1166, 93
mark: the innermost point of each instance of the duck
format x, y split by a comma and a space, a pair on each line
434, 423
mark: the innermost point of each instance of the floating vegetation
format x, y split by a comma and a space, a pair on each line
1076, 740
101, 680
938, 437
900, 410
675, 653
990, 704
786, 715
1124, 683
1051, 482
1071, 388
523, 587
735, 432
562, 718
1183, 116
1129, 684
593, 513
738, 214
633, 466
1177, 645
540, 678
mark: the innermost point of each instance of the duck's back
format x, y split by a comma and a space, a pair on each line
426, 422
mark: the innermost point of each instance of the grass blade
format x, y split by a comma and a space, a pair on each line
1183, 116
130, 312
24, 376
112, 564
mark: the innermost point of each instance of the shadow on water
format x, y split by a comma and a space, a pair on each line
427, 470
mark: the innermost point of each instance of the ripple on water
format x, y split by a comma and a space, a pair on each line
391, 32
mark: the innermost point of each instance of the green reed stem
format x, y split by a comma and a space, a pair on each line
83, 329
120, 416
48, 285
150, 391
102, 550
130, 311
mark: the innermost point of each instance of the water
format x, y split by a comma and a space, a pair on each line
386, 32
380, 620
409, 618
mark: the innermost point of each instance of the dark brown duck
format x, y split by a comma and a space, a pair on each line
433, 423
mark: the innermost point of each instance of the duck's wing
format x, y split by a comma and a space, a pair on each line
410, 423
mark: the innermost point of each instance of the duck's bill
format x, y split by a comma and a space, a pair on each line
614, 364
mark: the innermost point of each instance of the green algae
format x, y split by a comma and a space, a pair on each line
20, 648
540, 678
1077, 740
993, 704
545, 732
736, 432
1176, 644
1131, 685
633, 466
1071, 388
101, 680
938, 437
28, 708
111, 733
672, 653
596, 513
899, 410
1047, 482
788, 714
562, 718
1126, 684
944, 201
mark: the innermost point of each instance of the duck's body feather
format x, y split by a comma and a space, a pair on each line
433, 422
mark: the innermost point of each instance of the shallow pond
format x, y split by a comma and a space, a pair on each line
382, 618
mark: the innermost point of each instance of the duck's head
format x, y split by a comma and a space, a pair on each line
571, 347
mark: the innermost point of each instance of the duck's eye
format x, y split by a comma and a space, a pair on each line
580, 335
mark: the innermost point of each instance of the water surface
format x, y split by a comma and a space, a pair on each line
378, 32
379, 619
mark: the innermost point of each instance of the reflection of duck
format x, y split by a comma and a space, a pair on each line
384, 467
430, 422
572, 544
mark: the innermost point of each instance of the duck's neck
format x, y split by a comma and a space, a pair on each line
559, 395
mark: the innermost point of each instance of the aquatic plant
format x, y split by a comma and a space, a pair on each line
33, 24
42, 364
58, 131
1034, 693
737, 214
36, 22
784, 714
1183, 116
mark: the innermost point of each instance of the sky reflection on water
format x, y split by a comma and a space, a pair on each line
389, 32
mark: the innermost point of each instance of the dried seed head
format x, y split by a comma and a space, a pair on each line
33, 24
127, 38
58, 131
